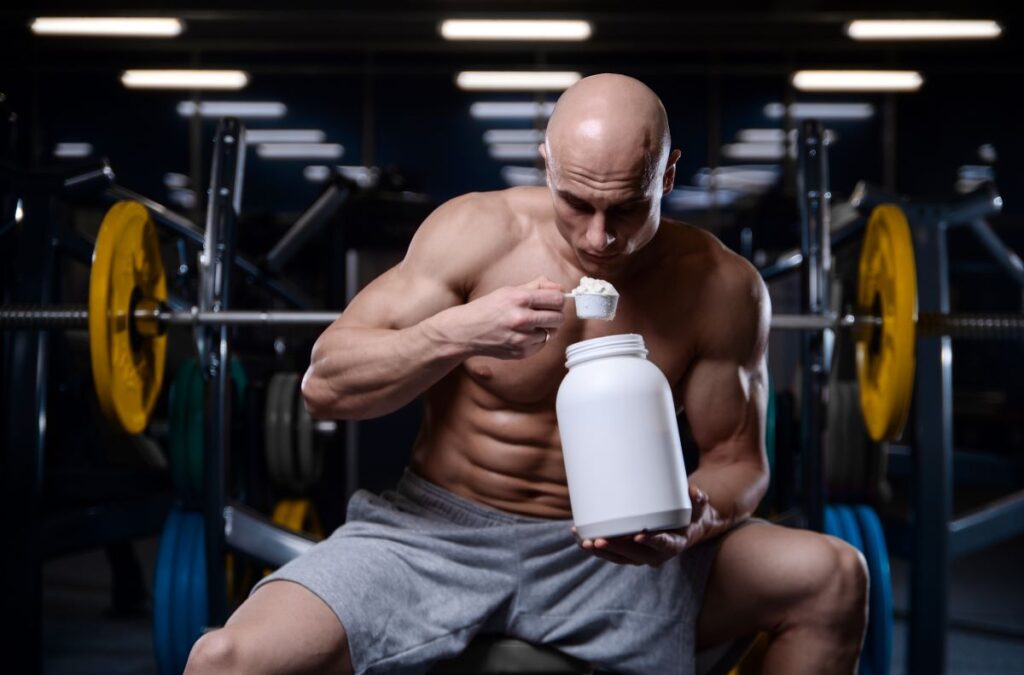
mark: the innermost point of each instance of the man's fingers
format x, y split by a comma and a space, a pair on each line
543, 282
545, 319
631, 551
547, 299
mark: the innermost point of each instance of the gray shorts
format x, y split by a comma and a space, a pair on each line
416, 572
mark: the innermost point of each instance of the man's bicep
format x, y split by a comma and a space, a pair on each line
725, 405
397, 299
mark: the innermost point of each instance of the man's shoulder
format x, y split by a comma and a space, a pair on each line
731, 297
498, 215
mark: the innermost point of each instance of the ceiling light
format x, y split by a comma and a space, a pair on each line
933, 29
465, 29
821, 111
68, 150
300, 150
857, 80
510, 110
754, 151
185, 79
106, 26
513, 136
514, 151
253, 136
513, 80
247, 109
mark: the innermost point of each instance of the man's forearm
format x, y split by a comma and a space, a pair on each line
734, 490
357, 373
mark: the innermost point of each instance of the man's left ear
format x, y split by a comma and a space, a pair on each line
669, 179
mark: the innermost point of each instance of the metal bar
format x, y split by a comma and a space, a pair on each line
990, 524
308, 224
251, 533
216, 264
1003, 255
933, 458
25, 378
814, 197
242, 318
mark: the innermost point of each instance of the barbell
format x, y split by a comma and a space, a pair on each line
127, 317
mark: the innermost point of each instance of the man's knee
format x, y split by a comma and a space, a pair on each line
215, 652
841, 586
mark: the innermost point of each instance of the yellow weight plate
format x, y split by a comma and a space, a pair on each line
887, 287
127, 368
298, 515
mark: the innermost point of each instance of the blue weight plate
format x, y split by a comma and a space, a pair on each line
880, 621
196, 596
163, 592
850, 527
180, 601
832, 522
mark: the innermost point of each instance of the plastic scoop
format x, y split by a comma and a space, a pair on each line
595, 299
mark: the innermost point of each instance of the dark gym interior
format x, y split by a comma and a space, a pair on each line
148, 483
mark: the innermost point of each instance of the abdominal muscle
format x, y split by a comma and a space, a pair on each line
506, 456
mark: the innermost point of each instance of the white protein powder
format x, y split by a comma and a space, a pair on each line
591, 286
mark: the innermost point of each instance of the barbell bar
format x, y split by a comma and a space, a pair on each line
972, 325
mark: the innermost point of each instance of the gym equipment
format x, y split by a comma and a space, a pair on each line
859, 526
293, 451
185, 431
298, 515
127, 356
179, 590
888, 288
878, 644
127, 318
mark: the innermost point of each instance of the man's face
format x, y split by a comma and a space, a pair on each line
605, 217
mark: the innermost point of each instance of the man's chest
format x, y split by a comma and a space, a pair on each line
668, 335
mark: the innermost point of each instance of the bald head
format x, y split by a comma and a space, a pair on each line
611, 124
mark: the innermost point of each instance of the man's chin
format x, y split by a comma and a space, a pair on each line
600, 264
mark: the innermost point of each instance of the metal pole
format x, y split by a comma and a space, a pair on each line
812, 186
933, 460
216, 265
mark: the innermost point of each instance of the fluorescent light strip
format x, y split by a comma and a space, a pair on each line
254, 136
107, 26
185, 79
486, 110
821, 111
522, 175
515, 80
363, 176
513, 136
514, 151
69, 150
687, 198
468, 29
857, 80
247, 109
754, 151
300, 150
761, 135
933, 29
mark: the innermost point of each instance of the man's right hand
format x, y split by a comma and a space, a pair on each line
513, 322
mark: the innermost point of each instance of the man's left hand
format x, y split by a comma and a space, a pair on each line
653, 549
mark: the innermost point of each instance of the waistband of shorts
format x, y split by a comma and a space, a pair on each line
456, 507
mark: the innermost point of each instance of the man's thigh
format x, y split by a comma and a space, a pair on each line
760, 573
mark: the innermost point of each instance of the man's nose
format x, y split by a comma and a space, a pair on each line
598, 235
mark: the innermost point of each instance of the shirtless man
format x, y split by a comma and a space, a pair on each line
477, 536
